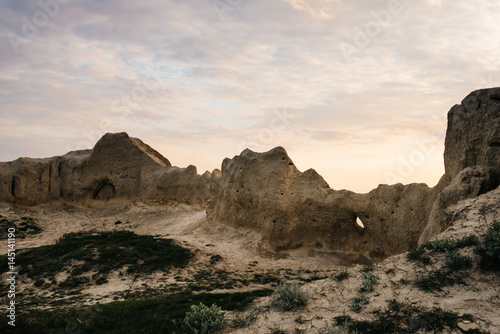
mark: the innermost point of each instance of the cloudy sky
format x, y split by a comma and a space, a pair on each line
358, 90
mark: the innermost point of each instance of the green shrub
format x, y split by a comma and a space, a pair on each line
441, 245
437, 280
489, 248
27, 226
104, 252
343, 275
153, 314
202, 319
73, 282
448, 245
358, 303
401, 318
455, 261
467, 241
418, 255
289, 297
369, 280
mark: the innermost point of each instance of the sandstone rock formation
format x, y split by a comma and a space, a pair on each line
267, 193
119, 167
471, 156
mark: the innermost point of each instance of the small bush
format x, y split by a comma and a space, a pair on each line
418, 255
101, 280
449, 245
367, 268
289, 297
343, 275
455, 261
441, 245
39, 282
437, 280
402, 318
73, 282
240, 322
358, 303
467, 241
489, 248
369, 280
202, 319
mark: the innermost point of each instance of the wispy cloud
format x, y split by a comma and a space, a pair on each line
198, 88
316, 8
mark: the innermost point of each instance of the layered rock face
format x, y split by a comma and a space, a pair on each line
267, 193
471, 156
118, 167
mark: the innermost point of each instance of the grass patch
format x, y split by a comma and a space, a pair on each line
438, 279
343, 275
153, 315
102, 252
449, 245
489, 248
451, 272
240, 322
289, 297
358, 303
418, 254
369, 281
455, 261
202, 319
402, 318
26, 227
210, 279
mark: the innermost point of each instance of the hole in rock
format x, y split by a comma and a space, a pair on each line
359, 224
104, 191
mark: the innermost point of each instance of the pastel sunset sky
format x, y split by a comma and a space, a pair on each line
358, 90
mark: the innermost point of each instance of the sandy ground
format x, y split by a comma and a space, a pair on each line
479, 297
243, 250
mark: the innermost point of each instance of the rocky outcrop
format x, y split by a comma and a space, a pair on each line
473, 133
118, 167
471, 156
267, 193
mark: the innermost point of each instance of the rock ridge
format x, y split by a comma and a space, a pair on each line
267, 193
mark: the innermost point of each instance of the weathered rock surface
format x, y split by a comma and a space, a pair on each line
267, 193
119, 167
473, 133
471, 155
